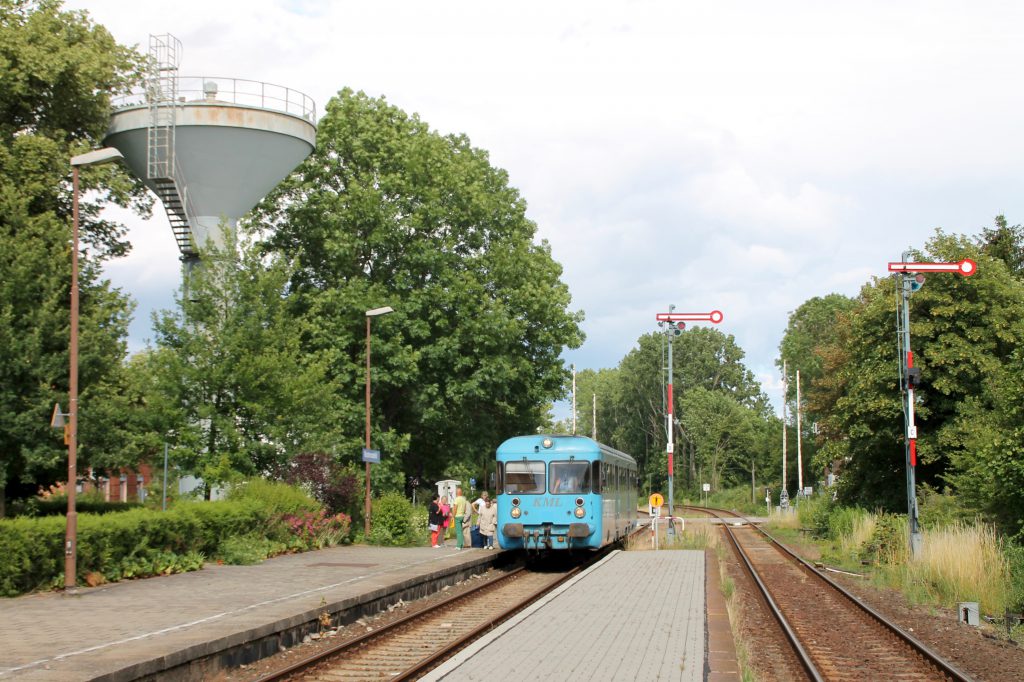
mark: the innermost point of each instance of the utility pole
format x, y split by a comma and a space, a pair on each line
753, 485
574, 399
593, 419
910, 280
799, 452
784, 493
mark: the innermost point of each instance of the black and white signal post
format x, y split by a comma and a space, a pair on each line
910, 279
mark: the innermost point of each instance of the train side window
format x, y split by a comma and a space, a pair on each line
596, 473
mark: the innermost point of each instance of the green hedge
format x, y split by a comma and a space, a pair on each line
58, 505
127, 544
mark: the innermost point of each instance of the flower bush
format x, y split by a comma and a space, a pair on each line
316, 530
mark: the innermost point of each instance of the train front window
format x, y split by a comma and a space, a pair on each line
524, 477
570, 478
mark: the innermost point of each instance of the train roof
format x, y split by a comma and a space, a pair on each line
561, 445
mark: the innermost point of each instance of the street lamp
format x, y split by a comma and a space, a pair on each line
366, 507
93, 158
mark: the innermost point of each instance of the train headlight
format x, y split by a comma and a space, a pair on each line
515, 501
547, 442
516, 512
580, 511
579, 501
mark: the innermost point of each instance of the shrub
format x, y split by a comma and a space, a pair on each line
55, 505
316, 530
888, 543
938, 509
243, 550
130, 544
419, 526
276, 497
1014, 555
814, 513
391, 520
336, 487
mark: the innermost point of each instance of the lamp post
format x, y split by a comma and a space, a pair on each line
93, 158
366, 505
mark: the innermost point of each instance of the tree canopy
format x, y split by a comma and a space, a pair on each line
58, 71
389, 212
966, 337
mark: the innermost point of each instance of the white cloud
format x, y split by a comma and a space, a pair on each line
742, 156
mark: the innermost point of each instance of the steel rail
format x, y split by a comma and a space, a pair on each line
453, 647
920, 647
386, 629
794, 641
433, 659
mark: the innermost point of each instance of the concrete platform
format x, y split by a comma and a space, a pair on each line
632, 616
191, 625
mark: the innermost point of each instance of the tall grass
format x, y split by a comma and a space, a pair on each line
693, 536
852, 528
788, 519
961, 562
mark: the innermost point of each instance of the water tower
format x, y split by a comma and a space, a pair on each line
210, 148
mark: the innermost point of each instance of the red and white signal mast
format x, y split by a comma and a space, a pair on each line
909, 278
676, 322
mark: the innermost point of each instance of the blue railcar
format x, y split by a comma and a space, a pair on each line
563, 492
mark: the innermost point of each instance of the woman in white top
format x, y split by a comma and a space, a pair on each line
488, 522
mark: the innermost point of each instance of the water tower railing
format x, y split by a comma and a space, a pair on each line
241, 91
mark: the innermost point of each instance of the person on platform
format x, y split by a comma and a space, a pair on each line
480, 502
488, 522
446, 513
459, 508
435, 520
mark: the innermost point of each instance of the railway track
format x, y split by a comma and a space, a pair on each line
409, 647
833, 635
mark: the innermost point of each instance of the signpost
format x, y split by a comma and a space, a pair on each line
655, 500
676, 322
909, 279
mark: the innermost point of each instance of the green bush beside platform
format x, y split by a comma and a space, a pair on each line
133, 543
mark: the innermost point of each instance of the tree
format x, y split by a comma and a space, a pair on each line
811, 334
230, 373
632, 410
722, 431
964, 332
388, 212
58, 71
1006, 243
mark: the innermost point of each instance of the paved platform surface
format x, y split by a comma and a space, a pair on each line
633, 616
120, 630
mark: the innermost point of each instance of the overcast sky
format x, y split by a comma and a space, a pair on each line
740, 156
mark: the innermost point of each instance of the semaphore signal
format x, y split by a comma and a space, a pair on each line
909, 279
715, 316
965, 267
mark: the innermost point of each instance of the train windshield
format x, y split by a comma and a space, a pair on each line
524, 477
571, 478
